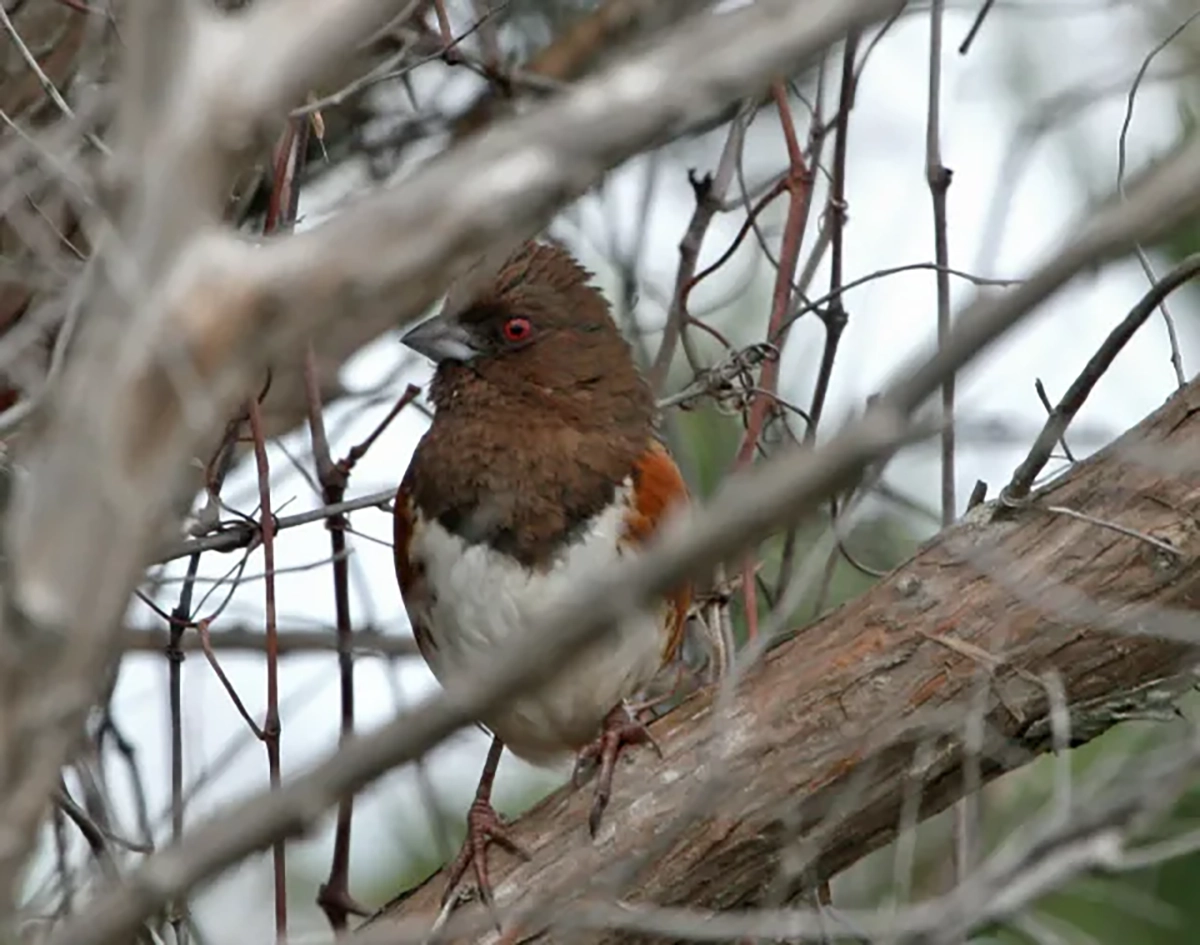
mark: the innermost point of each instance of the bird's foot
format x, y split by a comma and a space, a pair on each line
484, 827
618, 730
337, 903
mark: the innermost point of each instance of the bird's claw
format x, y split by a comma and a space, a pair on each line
484, 827
619, 729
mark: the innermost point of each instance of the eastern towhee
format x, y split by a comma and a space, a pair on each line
541, 466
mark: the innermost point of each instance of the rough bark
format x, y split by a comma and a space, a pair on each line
831, 721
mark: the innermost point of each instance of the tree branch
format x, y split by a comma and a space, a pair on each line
806, 751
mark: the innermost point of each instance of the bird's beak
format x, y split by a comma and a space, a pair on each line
441, 339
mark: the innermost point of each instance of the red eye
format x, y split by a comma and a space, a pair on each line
517, 329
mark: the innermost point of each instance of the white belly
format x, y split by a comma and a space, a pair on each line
484, 600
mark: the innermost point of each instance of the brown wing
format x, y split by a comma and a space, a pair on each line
410, 574
659, 489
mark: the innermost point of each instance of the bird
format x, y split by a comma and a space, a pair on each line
541, 466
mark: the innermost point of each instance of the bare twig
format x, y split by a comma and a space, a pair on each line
288, 642
233, 536
834, 315
976, 25
798, 185
44, 80
1061, 416
272, 725
230, 690
937, 176
1040, 389
710, 191
334, 895
815, 305
1143, 259
1171, 551
180, 617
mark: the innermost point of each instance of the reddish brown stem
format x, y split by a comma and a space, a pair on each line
758, 208
179, 618
798, 184
272, 728
334, 895
281, 216
280, 207
359, 450
799, 187
834, 316
210, 654
178, 621
750, 596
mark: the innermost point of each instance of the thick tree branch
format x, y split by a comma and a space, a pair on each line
821, 741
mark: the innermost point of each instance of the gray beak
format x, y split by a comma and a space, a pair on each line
441, 339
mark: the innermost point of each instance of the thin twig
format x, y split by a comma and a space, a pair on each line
44, 80
938, 176
709, 191
178, 909
271, 729
1062, 415
366, 641
333, 896
1040, 389
1162, 546
799, 187
258, 731
976, 25
834, 316
1122, 139
233, 536
359, 450
177, 622
816, 145
815, 305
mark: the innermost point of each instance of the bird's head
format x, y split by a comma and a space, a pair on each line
539, 334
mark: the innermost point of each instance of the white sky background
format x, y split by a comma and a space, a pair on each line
890, 224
